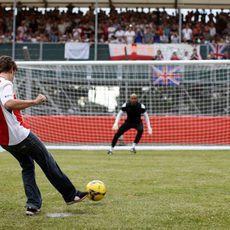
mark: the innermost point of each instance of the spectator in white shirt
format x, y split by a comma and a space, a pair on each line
111, 30
77, 34
164, 38
186, 55
212, 30
130, 35
120, 34
62, 26
174, 38
22, 29
114, 40
187, 34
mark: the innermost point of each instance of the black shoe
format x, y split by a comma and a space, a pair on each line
133, 150
110, 152
78, 198
32, 211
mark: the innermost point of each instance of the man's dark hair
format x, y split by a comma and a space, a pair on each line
7, 64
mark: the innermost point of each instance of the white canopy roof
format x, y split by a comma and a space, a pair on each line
206, 4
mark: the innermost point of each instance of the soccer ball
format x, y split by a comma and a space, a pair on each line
96, 189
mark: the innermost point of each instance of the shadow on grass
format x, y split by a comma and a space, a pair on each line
95, 204
76, 211
89, 208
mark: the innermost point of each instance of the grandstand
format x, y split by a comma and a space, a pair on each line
188, 4
75, 25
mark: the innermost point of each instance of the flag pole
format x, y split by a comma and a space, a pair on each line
14, 30
96, 30
180, 25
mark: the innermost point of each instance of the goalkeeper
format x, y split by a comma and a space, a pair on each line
134, 110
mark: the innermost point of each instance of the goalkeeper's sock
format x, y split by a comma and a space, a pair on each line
133, 149
133, 145
110, 149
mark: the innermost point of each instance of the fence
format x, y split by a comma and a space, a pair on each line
55, 51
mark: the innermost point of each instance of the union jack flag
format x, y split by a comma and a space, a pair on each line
167, 75
217, 49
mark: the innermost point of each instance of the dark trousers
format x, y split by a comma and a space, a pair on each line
30, 150
125, 127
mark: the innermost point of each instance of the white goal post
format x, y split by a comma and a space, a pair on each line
188, 102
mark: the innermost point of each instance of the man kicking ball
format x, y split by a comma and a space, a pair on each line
134, 110
26, 147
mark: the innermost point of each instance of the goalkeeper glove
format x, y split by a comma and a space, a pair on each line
150, 131
115, 127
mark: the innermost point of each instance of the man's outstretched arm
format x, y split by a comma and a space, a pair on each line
11, 103
118, 118
148, 123
17, 104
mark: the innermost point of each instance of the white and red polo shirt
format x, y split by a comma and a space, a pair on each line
12, 128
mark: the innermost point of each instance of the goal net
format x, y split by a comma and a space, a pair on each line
188, 101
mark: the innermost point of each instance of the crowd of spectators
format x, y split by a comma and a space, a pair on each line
116, 26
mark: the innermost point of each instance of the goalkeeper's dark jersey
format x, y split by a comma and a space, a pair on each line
134, 112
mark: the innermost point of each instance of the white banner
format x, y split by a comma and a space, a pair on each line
168, 49
116, 50
143, 51
76, 50
135, 51
146, 50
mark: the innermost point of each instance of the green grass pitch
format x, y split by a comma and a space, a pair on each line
149, 190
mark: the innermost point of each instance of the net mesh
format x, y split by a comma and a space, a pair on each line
188, 103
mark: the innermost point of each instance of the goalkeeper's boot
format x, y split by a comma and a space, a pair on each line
133, 150
109, 152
